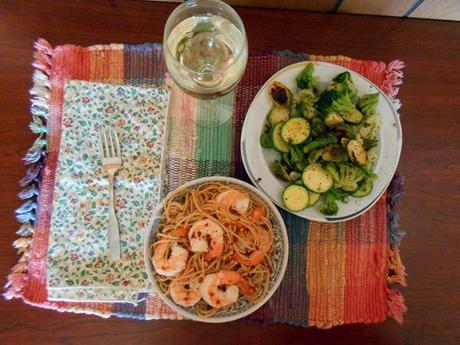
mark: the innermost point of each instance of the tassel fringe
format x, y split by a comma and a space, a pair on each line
396, 270
26, 214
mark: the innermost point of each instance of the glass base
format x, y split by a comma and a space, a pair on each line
215, 112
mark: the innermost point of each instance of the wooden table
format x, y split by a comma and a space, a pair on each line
430, 207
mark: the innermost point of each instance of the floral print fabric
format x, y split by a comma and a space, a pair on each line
79, 265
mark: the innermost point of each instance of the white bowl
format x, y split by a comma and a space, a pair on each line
257, 159
245, 308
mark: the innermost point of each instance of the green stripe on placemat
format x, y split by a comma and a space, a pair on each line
213, 150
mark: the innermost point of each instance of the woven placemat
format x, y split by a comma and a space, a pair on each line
337, 273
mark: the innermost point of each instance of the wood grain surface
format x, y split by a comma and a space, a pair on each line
429, 209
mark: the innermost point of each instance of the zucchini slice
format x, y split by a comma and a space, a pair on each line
313, 198
296, 130
278, 143
278, 114
295, 197
316, 178
364, 190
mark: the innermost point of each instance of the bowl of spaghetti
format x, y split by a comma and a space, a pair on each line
216, 249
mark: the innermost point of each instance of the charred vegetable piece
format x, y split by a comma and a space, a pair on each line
278, 114
345, 79
333, 119
280, 94
334, 153
356, 152
319, 143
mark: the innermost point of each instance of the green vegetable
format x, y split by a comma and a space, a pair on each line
356, 152
334, 153
278, 143
316, 178
295, 197
300, 166
278, 114
364, 189
305, 104
319, 143
313, 156
266, 140
344, 131
305, 79
296, 154
339, 87
340, 194
370, 143
333, 119
282, 171
333, 101
345, 79
295, 131
345, 175
329, 206
313, 198
317, 127
367, 103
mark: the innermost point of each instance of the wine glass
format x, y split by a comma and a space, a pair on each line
206, 52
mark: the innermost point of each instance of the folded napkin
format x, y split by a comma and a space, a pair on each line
79, 267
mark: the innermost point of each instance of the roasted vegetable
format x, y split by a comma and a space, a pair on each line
345, 175
370, 143
329, 206
313, 156
278, 114
333, 101
305, 79
318, 128
319, 143
339, 87
295, 131
368, 103
305, 104
345, 79
296, 154
356, 152
266, 140
281, 171
340, 195
280, 94
334, 153
333, 119
344, 131
316, 179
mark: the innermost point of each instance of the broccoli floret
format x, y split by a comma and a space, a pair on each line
305, 104
346, 176
339, 87
340, 195
305, 78
345, 79
334, 101
321, 142
368, 103
329, 206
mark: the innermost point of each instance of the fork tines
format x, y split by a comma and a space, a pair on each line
109, 145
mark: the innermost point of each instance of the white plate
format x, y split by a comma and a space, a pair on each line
257, 159
244, 308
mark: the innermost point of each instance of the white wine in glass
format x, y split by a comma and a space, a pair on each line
205, 48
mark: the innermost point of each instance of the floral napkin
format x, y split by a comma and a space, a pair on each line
79, 266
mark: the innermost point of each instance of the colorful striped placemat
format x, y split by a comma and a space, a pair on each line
337, 273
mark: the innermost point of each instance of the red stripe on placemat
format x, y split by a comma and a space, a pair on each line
366, 266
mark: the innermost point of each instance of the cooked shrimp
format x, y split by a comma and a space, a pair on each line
187, 294
172, 264
207, 236
257, 255
222, 288
235, 200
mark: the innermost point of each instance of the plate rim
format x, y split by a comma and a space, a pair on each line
325, 219
255, 307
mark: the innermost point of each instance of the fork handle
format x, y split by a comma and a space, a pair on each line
114, 231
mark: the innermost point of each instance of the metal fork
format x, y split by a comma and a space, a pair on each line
110, 153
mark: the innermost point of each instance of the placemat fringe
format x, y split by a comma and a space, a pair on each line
396, 270
27, 212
